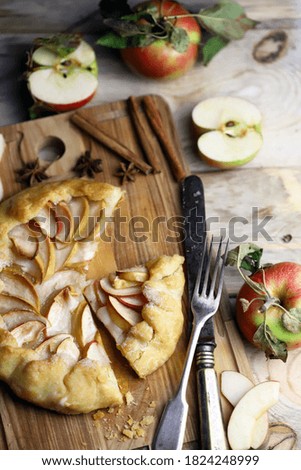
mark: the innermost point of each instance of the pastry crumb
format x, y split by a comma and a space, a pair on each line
111, 435
147, 420
111, 410
129, 399
128, 433
98, 415
152, 404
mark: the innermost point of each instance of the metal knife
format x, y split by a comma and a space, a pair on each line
212, 432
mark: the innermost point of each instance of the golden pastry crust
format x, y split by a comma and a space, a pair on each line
150, 343
63, 383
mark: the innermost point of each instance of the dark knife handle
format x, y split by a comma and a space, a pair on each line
212, 430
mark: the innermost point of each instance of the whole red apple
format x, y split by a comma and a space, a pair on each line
280, 318
160, 59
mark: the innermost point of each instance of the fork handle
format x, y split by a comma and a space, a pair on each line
212, 431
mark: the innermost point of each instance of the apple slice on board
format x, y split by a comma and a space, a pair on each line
234, 386
229, 129
63, 73
248, 410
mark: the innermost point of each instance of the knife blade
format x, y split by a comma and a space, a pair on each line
212, 433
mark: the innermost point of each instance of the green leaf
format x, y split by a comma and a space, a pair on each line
141, 40
267, 341
179, 39
291, 320
245, 304
227, 20
127, 28
246, 256
112, 40
212, 47
114, 8
61, 44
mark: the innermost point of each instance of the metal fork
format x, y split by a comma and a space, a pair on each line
171, 428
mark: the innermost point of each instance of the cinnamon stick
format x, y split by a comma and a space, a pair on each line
90, 127
155, 120
143, 134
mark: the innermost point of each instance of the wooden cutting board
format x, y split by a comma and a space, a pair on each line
151, 203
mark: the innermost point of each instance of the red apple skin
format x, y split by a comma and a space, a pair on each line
61, 108
160, 60
130, 305
283, 281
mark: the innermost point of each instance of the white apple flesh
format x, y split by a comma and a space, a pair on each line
64, 83
129, 314
229, 129
234, 386
247, 411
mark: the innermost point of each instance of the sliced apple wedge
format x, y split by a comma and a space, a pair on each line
8, 303
100, 293
115, 331
230, 130
234, 386
84, 328
15, 318
49, 347
129, 314
68, 351
135, 301
46, 258
96, 352
92, 297
28, 333
85, 252
252, 406
129, 291
18, 285
59, 281
91, 230
59, 313
79, 208
24, 241
137, 273
29, 267
64, 223
47, 221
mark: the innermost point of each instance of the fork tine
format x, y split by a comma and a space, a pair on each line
216, 267
220, 285
206, 278
199, 275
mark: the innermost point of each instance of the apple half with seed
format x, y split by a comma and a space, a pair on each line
228, 130
62, 72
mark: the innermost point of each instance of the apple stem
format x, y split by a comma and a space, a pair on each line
270, 301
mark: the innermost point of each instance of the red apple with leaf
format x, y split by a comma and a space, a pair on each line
268, 309
161, 38
62, 73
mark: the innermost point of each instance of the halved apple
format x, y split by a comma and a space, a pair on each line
248, 410
137, 273
116, 332
29, 333
63, 81
129, 314
16, 284
24, 241
234, 386
129, 291
230, 130
59, 313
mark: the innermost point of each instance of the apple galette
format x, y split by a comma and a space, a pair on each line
51, 349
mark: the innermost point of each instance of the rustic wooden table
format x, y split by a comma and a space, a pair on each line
269, 186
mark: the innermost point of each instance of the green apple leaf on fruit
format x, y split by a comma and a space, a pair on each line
113, 40
272, 346
246, 256
179, 39
292, 320
212, 47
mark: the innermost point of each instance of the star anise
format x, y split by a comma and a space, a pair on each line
127, 173
86, 165
31, 173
